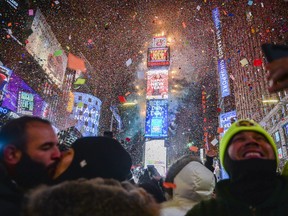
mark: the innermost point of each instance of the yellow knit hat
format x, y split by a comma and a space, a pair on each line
244, 125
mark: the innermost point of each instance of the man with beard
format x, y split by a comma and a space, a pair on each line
250, 156
28, 156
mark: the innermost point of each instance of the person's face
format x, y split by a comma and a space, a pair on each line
42, 145
249, 144
64, 162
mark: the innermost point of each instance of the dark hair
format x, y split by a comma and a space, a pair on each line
176, 167
14, 132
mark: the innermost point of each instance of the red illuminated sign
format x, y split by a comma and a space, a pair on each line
158, 56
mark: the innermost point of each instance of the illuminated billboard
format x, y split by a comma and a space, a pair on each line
156, 118
25, 103
5, 74
158, 56
159, 41
43, 45
226, 118
155, 154
157, 84
86, 111
22, 99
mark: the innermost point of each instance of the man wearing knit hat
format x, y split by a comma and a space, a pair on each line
91, 157
249, 155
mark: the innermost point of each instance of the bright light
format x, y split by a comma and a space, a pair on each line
270, 101
129, 104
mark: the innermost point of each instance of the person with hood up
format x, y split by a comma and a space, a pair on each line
187, 182
250, 156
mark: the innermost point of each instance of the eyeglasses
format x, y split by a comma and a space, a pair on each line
245, 123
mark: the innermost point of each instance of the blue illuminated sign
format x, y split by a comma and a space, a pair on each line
225, 119
156, 119
223, 74
224, 83
87, 113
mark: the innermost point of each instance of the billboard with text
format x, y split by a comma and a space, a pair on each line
86, 111
156, 118
157, 84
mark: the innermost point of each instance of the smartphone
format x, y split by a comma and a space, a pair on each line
274, 51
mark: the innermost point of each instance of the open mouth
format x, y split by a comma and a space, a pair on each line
253, 155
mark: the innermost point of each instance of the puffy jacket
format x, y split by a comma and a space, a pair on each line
193, 183
227, 205
10, 195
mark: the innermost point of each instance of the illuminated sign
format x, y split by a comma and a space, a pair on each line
155, 154
156, 119
223, 74
25, 103
13, 3
225, 119
5, 74
159, 41
158, 56
86, 111
224, 81
16, 97
157, 84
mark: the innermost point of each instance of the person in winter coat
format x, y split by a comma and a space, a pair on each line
28, 157
250, 156
151, 182
102, 197
187, 182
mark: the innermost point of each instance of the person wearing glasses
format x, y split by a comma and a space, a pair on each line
250, 156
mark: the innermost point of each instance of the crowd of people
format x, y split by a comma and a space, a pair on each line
94, 176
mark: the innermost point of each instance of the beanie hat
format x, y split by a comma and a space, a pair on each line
244, 125
97, 157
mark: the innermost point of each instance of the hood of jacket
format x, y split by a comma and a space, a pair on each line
194, 182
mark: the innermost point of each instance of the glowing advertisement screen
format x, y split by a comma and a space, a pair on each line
225, 119
158, 56
160, 41
25, 103
156, 119
5, 74
22, 99
46, 50
86, 111
155, 154
157, 84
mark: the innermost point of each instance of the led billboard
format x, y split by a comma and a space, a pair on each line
5, 74
159, 41
86, 111
156, 119
225, 119
155, 154
43, 45
158, 56
25, 103
21, 98
157, 84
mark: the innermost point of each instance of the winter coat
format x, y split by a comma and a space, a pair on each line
227, 205
193, 183
10, 195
